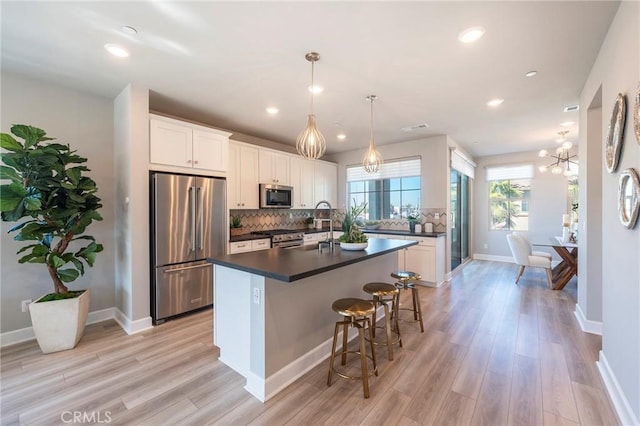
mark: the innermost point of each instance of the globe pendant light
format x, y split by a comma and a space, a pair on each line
310, 143
372, 158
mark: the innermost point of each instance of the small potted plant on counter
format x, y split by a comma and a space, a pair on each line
53, 204
310, 222
413, 220
235, 227
352, 237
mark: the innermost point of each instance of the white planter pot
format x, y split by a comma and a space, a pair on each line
59, 324
353, 246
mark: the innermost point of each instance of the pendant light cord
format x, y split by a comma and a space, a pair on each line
312, 86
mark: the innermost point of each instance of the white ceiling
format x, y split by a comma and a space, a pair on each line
222, 63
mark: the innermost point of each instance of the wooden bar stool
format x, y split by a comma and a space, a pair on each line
383, 294
356, 313
406, 281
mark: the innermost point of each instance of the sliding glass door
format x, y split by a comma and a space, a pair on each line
459, 218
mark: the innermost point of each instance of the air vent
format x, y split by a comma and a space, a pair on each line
571, 108
415, 127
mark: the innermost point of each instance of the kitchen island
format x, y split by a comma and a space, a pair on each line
272, 309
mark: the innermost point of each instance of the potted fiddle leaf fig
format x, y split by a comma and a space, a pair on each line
45, 190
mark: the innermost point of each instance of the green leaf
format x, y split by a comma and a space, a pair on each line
74, 175
33, 202
56, 261
10, 173
19, 226
84, 237
32, 258
11, 196
75, 197
9, 143
68, 275
31, 135
79, 266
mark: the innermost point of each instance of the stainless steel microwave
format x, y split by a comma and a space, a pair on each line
275, 196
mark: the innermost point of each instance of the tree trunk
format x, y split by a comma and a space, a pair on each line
57, 283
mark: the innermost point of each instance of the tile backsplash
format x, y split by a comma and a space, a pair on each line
261, 220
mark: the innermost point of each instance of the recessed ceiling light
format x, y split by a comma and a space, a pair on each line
129, 30
116, 50
272, 110
341, 136
567, 123
316, 89
531, 73
495, 102
471, 34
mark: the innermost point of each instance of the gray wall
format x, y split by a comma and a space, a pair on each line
548, 203
86, 123
617, 70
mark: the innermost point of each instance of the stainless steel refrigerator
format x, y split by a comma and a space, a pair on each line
188, 225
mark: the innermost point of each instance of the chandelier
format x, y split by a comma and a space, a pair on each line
310, 143
563, 159
372, 158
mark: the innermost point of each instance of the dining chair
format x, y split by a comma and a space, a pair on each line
531, 250
520, 251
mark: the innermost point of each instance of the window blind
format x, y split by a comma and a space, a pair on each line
388, 170
462, 164
520, 171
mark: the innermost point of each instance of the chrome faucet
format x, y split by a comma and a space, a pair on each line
330, 220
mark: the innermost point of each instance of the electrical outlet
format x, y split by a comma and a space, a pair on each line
256, 296
25, 305
436, 215
486, 246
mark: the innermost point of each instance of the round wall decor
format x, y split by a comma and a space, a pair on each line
613, 143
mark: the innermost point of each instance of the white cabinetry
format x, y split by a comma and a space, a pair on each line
427, 259
242, 182
315, 237
249, 245
326, 182
302, 177
274, 167
182, 145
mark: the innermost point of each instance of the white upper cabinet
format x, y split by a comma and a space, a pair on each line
274, 167
326, 183
242, 181
181, 145
302, 180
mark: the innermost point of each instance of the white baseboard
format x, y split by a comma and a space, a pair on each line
588, 326
478, 256
130, 327
265, 389
620, 402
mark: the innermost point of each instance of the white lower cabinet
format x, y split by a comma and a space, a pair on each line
249, 245
315, 237
427, 259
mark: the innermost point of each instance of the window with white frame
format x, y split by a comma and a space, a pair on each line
509, 195
392, 192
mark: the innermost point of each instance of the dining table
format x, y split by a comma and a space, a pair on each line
568, 266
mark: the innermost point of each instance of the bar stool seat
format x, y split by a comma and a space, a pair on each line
383, 294
406, 282
356, 312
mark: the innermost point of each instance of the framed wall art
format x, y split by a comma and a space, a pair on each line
615, 133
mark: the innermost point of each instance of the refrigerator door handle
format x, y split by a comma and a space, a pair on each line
204, 265
192, 202
200, 228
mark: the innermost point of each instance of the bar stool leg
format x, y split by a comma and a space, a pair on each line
418, 311
345, 333
387, 323
373, 351
333, 353
363, 359
376, 301
414, 295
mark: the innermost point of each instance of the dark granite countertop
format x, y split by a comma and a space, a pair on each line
404, 233
301, 262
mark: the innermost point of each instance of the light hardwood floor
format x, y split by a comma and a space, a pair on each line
493, 353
